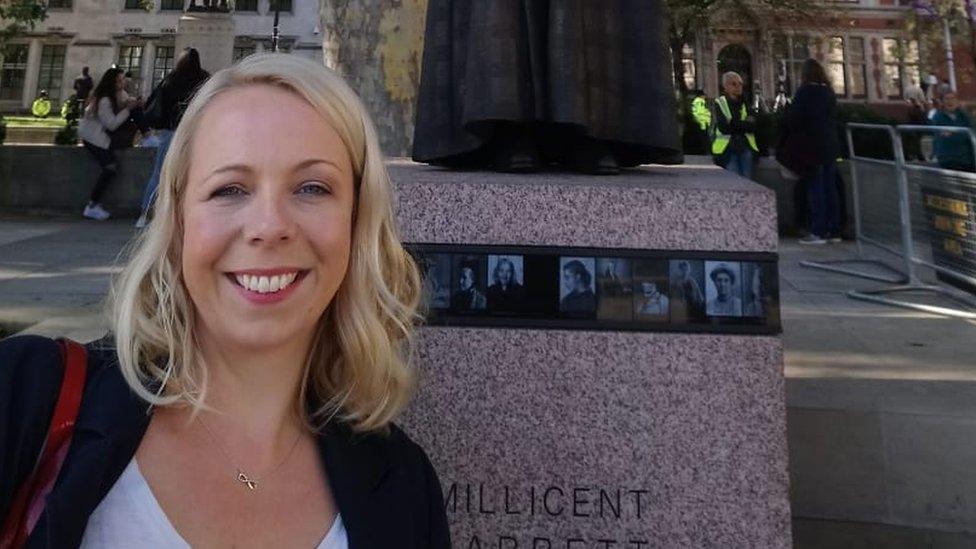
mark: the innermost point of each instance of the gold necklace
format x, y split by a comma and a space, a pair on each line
242, 477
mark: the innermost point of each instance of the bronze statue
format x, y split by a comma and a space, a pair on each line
516, 85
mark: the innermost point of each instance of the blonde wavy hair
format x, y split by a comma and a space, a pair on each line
358, 366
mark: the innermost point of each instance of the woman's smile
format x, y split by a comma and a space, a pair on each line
265, 286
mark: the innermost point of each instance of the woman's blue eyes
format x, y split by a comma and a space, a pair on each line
310, 188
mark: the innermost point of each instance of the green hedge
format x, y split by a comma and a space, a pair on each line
873, 144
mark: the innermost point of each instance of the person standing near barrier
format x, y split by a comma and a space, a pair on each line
734, 143
953, 150
164, 109
814, 114
103, 115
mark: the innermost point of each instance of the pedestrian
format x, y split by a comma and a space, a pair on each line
696, 140
259, 350
41, 107
813, 115
953, 150
103, 114
83, 86
165, 106
918, 106
734, 143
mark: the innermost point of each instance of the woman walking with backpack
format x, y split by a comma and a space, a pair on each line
103, 114
164, 109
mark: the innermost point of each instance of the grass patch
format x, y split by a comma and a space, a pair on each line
29, 121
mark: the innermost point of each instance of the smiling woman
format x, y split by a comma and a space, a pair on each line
265, 318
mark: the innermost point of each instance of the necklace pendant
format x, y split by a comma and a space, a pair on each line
251, 484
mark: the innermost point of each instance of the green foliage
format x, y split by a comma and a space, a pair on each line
872, 144
689, 16
68, 135
19, 16
71, 110
3, 130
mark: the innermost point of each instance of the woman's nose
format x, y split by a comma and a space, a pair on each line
269, 219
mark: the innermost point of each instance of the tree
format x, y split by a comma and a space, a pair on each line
927, 22
17, 16
689, 16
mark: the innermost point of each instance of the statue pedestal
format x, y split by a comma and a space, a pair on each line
577, 437
211, 33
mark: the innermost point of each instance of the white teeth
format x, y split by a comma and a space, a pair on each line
264, 284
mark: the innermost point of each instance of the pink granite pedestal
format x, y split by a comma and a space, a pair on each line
580, 439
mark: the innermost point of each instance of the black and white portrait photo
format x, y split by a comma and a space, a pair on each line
506, 291
576, 285
754, 290
614, 288
687, 283
469, 289
436, 272
723, 288
651, 301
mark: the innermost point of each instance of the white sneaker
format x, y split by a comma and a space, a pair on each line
96, 212
142, 221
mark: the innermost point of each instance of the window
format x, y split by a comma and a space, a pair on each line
789, 53
900, 66
846, 66
240, 52
246, 5
857, 68
285, 5
130, 60
133, 4
688, 61
836, 70
12, 73
162, 64
59, 4
51, 73
171, 5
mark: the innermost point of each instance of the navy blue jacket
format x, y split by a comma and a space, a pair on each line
814, 113
384, 485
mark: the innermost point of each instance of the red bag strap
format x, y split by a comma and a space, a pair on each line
28, 503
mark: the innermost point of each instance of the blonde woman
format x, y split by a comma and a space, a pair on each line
262, 328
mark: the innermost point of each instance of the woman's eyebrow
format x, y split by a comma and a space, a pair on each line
314, 161
229, 168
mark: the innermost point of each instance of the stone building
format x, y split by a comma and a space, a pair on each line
100, 33
860, 42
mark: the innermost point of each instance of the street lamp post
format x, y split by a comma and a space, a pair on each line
949, 58
274, 32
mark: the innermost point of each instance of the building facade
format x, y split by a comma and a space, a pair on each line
102, 33
861, 43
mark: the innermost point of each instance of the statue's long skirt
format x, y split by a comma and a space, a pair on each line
596, 68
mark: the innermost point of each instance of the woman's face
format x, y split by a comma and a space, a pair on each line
505, 273
267, 218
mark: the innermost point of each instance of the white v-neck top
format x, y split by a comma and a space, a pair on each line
130, 517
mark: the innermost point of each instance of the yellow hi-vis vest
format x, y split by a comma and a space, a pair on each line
721, 141
41, 107
700, 112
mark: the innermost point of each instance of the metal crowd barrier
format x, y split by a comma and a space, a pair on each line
876, 212
936, 221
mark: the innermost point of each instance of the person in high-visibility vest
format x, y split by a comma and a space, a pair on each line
698, 120
734, 140
42, 105
700, 111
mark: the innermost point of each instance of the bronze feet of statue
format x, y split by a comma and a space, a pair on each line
526, 149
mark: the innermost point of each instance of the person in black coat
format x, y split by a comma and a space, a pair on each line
813, 114
166, 104
257, 362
